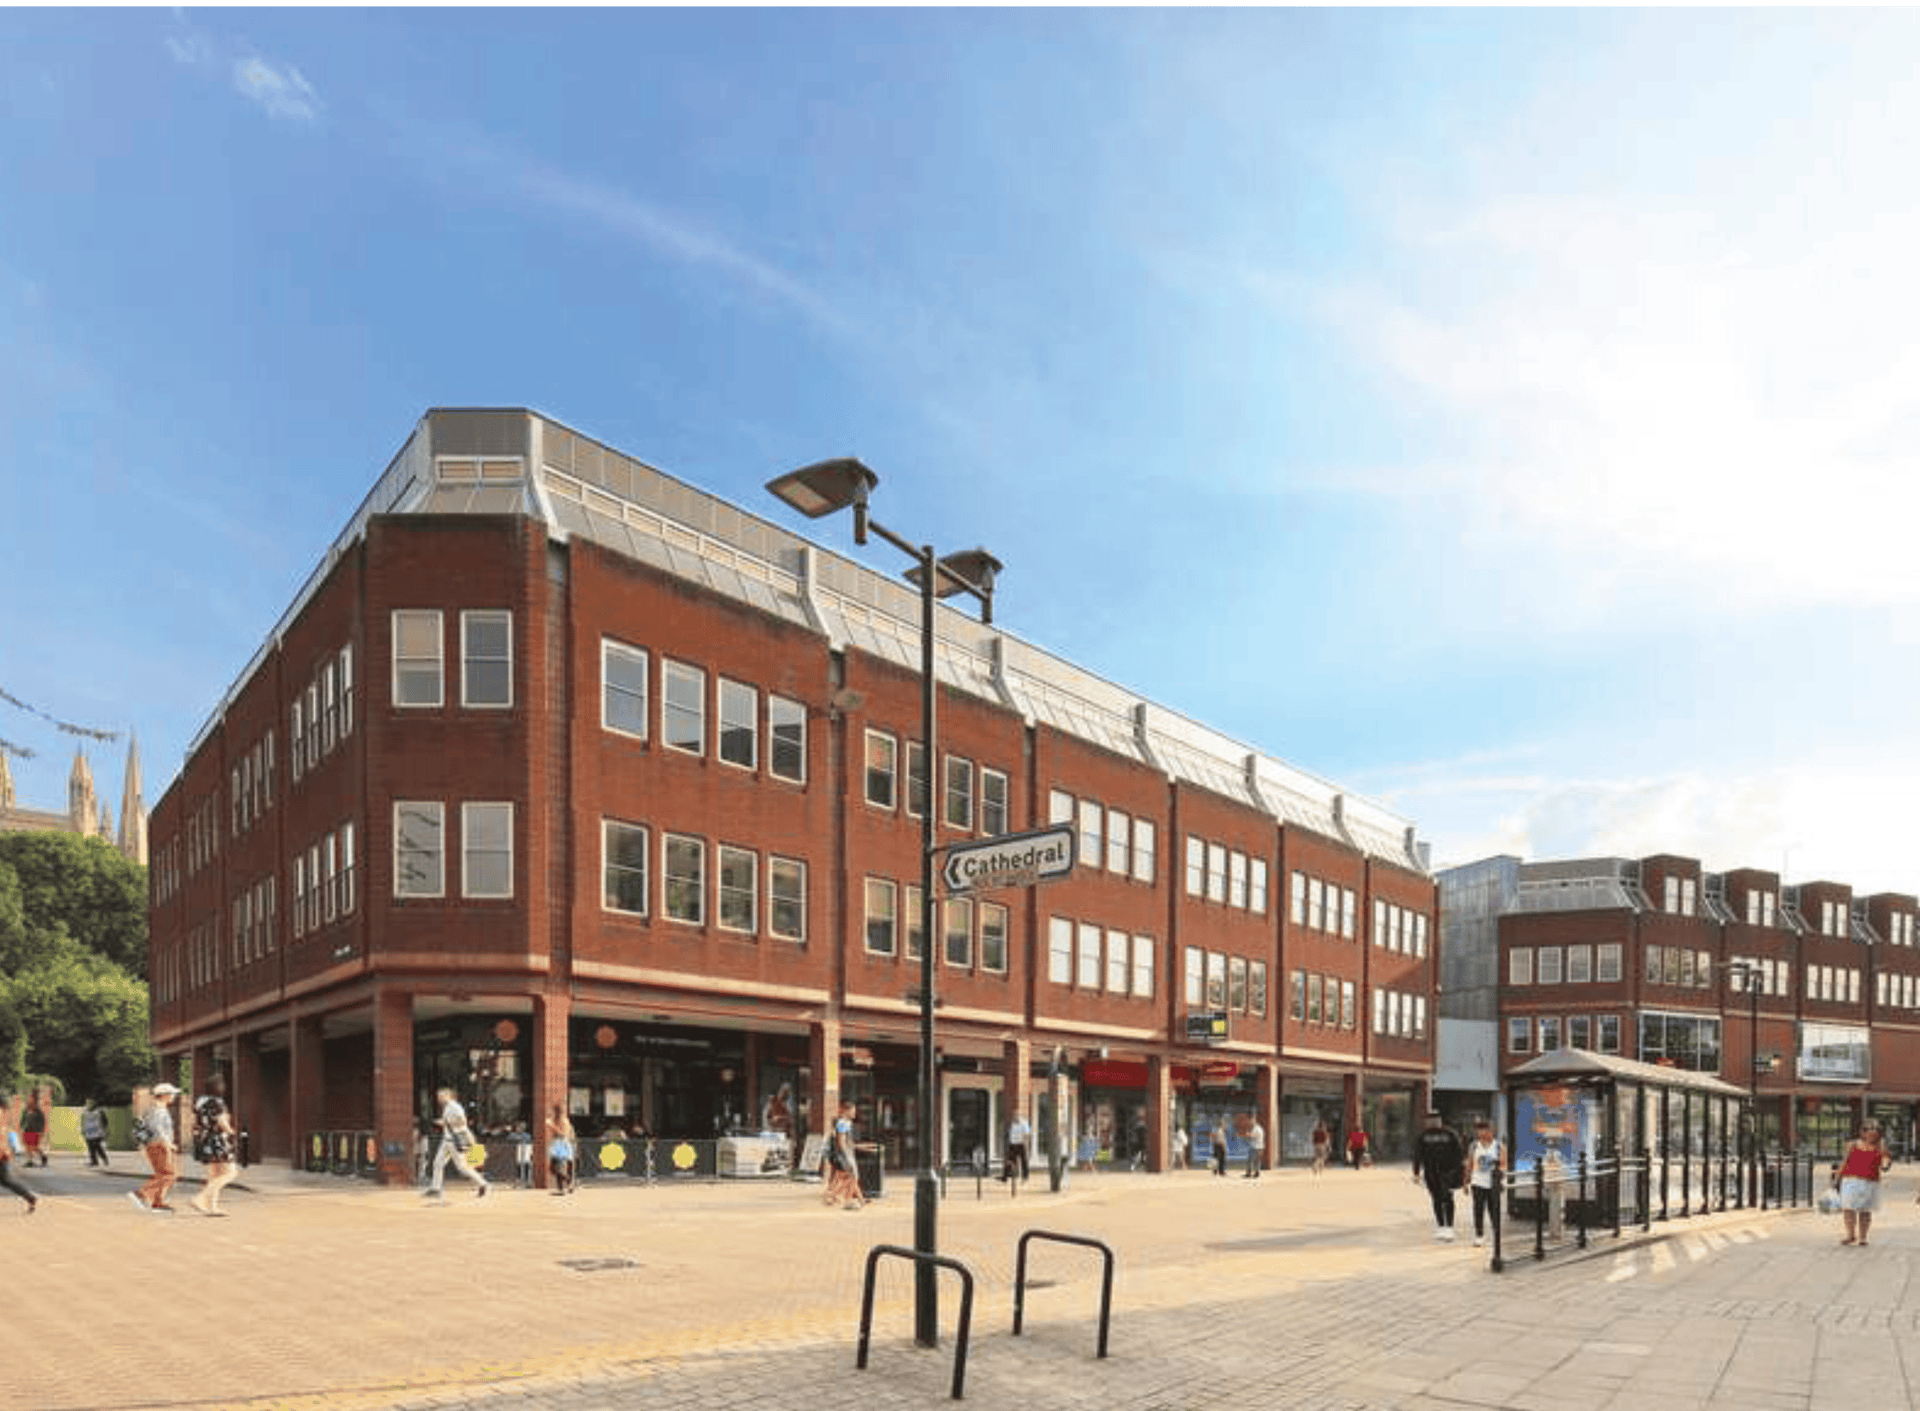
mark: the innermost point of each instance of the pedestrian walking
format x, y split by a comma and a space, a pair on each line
1484, 1158
456, 1139
560, 1150
33, 1130
8, 1136
1359, 1149
1256, 1150
93, 1131
1218, 1138
214, 1145
843, 1178
1322, 1144
1018, 1135
1441, 1161
153, 1133
1179, 1148
1867, 1159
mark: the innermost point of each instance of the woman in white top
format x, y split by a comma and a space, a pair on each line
1484, 1157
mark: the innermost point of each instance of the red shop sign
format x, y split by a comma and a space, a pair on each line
1221, 1072
1113, 1073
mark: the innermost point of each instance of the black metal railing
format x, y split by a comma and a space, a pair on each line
1106, 1279
920, 1258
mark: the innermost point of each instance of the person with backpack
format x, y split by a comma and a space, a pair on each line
1440, 1160
153, 1131
456, 1139
213, 1145
93, 1131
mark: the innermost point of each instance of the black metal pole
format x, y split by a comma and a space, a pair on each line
926, 1191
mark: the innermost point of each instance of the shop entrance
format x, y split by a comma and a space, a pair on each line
969, 1124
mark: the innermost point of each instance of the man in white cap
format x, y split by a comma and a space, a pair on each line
153, 1128
456, 1139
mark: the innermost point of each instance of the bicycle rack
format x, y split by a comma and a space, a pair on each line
966, 1305
1020, 1279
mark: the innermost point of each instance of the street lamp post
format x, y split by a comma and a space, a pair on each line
1748, 973
827, 487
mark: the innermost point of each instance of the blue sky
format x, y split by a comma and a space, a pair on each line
1509, 415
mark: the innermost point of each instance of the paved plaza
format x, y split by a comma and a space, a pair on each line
1290, 1291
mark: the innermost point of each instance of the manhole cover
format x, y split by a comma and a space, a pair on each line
599, 1265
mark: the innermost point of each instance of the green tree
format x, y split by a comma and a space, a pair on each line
13, 1047
81, 885
85, 1018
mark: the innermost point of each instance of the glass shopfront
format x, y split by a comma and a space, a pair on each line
1305, 1103
486, 1060
1387, 1115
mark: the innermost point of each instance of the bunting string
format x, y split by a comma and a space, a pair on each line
64, 726
19, 751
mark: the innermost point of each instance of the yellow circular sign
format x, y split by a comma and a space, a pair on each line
476, 1156
684, 1157
612, 1156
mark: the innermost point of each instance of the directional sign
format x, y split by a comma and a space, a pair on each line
1016, 860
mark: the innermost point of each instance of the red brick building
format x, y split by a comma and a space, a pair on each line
1651, 959
562, 781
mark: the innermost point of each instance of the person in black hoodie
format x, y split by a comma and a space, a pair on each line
1440, 1159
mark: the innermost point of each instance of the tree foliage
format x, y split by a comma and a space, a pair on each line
73, 953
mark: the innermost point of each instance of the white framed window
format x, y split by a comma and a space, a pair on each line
739, 886
623, 689
1237, 984
1257, 989
329, 880
993, 802
1216, 980
1297, 908
1609, 1033
419, 849
787, 898
1119, 962
739, 724
959, 792
1548, 961
786, 739
916, 779
1059, 807
486, 659
1420, 934
1196, 866
1257, 886
623, 867
313, 725
418, 657
684, 873
1087, 976
1348, 1015
1144, 861
1549, 1033
269, 768
1579, 968
1607, 962
1092, 850
346, 697
1216, 872
956, 930
1580, 1031
297, 733
683, 707
883, 769
1143, 967
1119, 842
1349, 911
993, 937
1194, 976
1380, 1013
1237, 880
329, 709
1520, 965
914, 921
1379, 922
1316, 991
349, 871
883, 922
299, 895
1059, 950
486, 848
1316, 904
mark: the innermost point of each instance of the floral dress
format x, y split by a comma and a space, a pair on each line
212, 1143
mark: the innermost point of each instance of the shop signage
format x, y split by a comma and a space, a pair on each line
1113, 1073
1219, 1072
1209, 1027
1016, 860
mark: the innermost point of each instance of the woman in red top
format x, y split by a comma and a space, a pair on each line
1867, 1157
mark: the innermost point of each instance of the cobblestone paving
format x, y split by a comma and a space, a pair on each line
1291, 1291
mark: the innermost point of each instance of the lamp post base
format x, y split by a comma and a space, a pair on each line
926, 1289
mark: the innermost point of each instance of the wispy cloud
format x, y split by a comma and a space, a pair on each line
280, 90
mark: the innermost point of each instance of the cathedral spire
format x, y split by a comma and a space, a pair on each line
82, 809
133, 808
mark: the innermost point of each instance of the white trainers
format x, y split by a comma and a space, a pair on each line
1479, 1240
1448, 1235
1439, 1234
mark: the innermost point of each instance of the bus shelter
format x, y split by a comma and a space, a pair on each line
1627, 1140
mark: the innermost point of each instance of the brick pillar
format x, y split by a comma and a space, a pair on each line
551, 1016
393, 1085
823, 1074
1016, 1056
202, 1063
307, 1110
244, 1097
1266, 1104
1352, 1102
1159, 1112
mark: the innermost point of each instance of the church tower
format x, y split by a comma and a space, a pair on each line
82, 803
133, 808
6, 785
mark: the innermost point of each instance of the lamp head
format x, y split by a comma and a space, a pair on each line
826, 486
